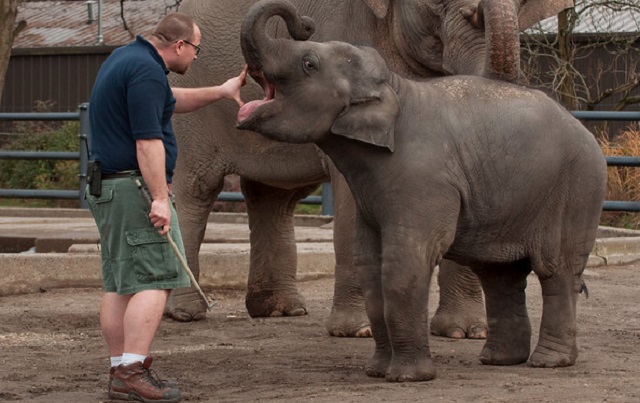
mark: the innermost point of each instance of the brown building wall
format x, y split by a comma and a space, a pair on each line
62, 76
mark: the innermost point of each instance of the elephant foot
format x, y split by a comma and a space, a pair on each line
544, 357
378, 364
348, 324
185, 305
420, 370
458, 326
504, 354
272, 304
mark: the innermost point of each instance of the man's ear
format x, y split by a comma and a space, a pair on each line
370, 119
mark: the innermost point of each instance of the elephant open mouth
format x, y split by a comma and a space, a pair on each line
248, 109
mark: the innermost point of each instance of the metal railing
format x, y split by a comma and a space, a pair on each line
83, 116
326, 200
615, 205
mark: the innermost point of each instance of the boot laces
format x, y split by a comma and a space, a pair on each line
152, 377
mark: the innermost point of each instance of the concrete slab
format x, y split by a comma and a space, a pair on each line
59, 248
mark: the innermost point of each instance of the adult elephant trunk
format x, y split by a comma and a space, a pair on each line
255, 41
502, 38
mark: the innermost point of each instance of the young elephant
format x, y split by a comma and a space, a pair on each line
486, 173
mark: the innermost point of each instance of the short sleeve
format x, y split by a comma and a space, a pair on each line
146, 94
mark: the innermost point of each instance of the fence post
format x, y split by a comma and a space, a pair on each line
85, 141
327, 199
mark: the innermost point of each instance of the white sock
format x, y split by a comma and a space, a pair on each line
115, 361
128, 358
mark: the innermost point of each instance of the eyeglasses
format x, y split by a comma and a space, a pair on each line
196, 47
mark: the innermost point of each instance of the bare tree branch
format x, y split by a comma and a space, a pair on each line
586, 63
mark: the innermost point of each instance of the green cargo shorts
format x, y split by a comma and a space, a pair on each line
134, 256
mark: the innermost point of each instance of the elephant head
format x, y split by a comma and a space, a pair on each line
464, 36
291, 72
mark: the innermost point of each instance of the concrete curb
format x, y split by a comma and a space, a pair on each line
222, 266
616, 251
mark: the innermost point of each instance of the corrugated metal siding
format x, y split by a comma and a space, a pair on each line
64, 79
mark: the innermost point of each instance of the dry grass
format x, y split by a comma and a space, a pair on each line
623, 182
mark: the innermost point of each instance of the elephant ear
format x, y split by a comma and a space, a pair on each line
371, 118
378, 7
533, 11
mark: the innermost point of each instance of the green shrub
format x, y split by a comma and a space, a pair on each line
310, 209
43, 174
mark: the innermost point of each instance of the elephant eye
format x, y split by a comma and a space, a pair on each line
310, 63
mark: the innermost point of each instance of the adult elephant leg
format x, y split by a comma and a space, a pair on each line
185, 304
348, 316
271, 287
460, 311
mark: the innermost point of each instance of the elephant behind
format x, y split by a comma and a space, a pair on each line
418, 39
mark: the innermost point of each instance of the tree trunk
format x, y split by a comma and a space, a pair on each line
566, 87
8, 31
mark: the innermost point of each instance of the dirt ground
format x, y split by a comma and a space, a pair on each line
51, 350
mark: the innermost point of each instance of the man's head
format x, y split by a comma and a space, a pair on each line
177, 39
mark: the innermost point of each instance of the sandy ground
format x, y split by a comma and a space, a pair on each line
51, 350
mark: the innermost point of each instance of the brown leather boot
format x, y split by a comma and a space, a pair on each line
137, 382
165, 382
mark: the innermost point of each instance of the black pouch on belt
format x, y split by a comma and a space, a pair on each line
94, 178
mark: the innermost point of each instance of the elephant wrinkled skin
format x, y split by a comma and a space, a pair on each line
486, 173
419, 39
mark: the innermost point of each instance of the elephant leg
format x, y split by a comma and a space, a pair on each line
348, 317
186, 304
460, 312
406, 273
368, 265
271, 287
509, 338
557, 345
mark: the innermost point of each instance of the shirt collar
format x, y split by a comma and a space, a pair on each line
154, 52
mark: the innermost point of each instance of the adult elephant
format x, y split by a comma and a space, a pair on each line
418, 38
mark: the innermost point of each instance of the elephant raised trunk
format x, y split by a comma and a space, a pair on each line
503, 44
254, 39
502, 20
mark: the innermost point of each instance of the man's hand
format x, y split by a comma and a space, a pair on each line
192, 99
231, 87
160, 215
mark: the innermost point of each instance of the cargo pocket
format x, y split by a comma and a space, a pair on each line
152, 258
105, 197
98, 205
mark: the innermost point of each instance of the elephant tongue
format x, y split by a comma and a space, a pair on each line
269, 93
247, 109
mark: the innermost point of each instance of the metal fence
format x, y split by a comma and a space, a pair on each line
326, 200
615, 205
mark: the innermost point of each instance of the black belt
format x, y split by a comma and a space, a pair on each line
120, 175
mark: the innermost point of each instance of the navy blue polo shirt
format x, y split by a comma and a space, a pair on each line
131, 100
